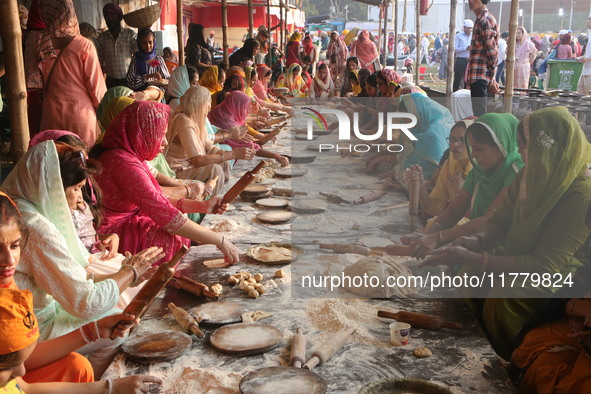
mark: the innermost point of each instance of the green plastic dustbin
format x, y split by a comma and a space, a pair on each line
564, 74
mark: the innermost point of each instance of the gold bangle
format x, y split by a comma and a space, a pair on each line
484, 261
572, 307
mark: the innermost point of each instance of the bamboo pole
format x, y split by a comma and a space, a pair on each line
395, 18
418, 45
225, 33
451, 51
281, 29
250, 20
510, 61
270, 37
531, 22
179, 31
16, 94
380, 28
385, 43
404, 17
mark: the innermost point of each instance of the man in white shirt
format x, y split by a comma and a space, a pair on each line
425, 49
584, 86
211, 39
462, 45
501, 59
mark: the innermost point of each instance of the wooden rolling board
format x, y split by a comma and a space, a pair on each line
282, 380
245, 338
220, 312
161, 346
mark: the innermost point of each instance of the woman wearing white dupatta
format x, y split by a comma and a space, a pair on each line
53, 263
323, 86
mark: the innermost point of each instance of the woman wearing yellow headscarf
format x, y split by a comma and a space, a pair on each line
212, 79
292, 79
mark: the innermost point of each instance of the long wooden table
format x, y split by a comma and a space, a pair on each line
462, 360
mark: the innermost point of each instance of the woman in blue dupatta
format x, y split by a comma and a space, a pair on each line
433, 124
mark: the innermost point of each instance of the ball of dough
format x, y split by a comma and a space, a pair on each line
258, 277
422, 352
260, 288
232, 280
217, 289
253, 293
251, 280
280, 274
243, 285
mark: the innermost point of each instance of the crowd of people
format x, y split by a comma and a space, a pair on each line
116, 180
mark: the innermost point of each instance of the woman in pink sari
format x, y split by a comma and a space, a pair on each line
525, 54
336, 55
233, 111
73, 81
135, 207
365, 50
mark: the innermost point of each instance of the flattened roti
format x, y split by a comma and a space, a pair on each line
272, 253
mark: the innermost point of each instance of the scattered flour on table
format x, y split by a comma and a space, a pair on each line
211, 381
332, 315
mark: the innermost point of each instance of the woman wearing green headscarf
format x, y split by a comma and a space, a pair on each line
109, 97
491, 143
538, 229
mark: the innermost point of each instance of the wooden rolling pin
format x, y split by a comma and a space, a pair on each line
277, 120
193, 287
325, 351
421, 320
394, 250
144, 298
338, 248
185, 320
298, 349
369, 198
242, 183
271, 135
414, 187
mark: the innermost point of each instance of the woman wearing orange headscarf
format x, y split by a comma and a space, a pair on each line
213, 79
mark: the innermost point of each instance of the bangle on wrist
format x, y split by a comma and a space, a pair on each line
484, 261
221, 157
438, 225
572, 307
440, 240
84, 336
188, 191
136, 274
221, 242
109, 386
